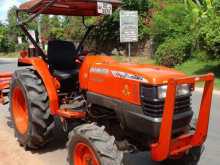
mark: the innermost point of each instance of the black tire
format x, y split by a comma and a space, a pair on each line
40, 121
191, 158
102, 144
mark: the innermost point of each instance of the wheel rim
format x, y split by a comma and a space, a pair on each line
84, 155
20, 111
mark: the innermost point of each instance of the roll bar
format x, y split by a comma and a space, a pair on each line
22, 24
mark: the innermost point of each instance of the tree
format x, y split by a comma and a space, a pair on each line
73, 28
14, 31
200, 11
4, 45
108, 31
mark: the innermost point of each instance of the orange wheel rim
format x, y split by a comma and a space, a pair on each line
20, 111
84, 155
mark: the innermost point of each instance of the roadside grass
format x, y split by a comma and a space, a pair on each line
197, 67
190, 67
9, 55
137, 59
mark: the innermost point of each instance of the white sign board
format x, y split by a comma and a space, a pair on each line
32, 33
128, 26
19, 40
104, 8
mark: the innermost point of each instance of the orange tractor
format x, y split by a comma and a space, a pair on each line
106, 107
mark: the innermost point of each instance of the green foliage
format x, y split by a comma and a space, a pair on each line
174, 51
14, 32
209, 37
4, 45
201, 55
216, 4
200, 11
51, 27
108, 31
73, 28
178, 28
23, 46
141, 6
173, 25
170, 22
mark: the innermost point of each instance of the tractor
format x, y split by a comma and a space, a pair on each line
106, 108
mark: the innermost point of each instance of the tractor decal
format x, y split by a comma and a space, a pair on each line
124, 75
99, 70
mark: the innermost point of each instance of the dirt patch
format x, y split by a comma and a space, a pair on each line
10, 151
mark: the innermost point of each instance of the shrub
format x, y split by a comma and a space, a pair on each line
141, 5
23, 46
216, 4
209, 37
174, 51
3, 39
201, 55
170, 22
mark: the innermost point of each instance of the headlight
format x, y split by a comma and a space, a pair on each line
181, 90
162, 91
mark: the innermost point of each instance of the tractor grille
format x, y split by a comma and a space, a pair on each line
154, 107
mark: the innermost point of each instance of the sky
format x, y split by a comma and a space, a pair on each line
5, 5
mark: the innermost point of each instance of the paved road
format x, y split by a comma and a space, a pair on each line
55, 153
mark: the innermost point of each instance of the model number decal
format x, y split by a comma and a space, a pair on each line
99, 70
129, 76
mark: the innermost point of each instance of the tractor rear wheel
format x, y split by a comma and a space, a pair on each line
90, 144
29, 107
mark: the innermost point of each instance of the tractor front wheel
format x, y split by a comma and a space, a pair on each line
29, 107
190, 158
90, 144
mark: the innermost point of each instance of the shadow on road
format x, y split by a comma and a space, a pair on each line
9, 122
59, 143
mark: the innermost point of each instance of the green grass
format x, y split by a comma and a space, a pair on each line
137, 59
197, 67
9, 55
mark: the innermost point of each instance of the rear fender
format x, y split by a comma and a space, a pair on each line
50, 83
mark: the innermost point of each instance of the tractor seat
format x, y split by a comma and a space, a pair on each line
61, 59
65, 74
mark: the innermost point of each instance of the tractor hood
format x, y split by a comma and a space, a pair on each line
148, 73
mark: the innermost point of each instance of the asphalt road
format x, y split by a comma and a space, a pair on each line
55, 153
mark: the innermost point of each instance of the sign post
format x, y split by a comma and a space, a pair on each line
128, 28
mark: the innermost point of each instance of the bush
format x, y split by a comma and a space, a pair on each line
170, 22
201, 55
141, 5
23, 46
209, 37
216, 4
174, 51
4, 43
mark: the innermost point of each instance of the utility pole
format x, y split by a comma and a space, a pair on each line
39, 30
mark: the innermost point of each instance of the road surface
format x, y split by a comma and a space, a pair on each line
55, 153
